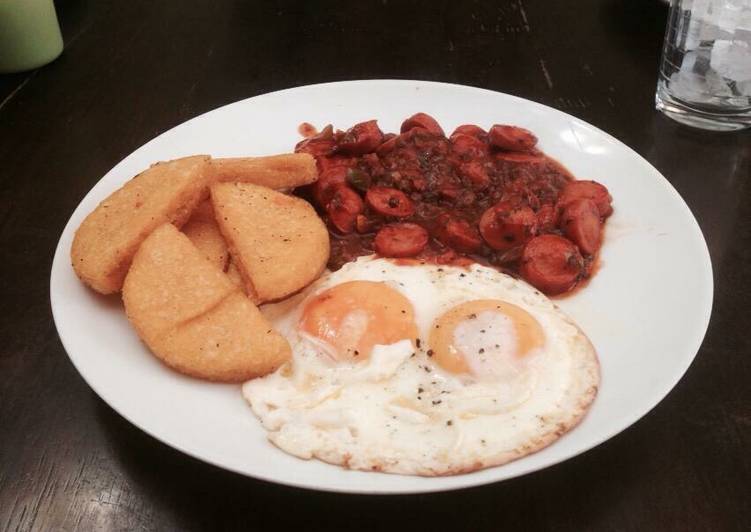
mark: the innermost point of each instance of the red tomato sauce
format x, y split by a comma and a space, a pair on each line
489, 196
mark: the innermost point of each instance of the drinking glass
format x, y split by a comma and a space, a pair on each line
705, 70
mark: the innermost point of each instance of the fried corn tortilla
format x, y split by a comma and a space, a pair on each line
280, 172
193, 317
106, 241
278, 242
203, 232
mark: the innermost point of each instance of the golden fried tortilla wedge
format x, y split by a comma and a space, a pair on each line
279, 172
203, 232
193, 317
232, 342
106, 241
278, 242
170, 282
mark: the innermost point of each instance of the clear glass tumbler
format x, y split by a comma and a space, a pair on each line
705, 70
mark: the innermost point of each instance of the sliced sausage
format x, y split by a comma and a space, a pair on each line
511, 138
401, 240
414, 134
388, 144
335, 161
467, 145
450, 192
460, 235
552, 264
580, 221
328, 180
519, 157
316, 148
361, 138
389, 202
505, 225
471, 130
422, 120
343, 207
318, 145
421, 139
547, 218
589, 190
476, 174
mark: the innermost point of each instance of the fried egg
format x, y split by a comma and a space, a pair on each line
423, 369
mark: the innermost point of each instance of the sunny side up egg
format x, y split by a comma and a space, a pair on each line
423, 369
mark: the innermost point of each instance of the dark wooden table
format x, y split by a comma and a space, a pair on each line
133, 69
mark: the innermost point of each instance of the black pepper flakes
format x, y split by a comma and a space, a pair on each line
436, 402
472, 316
482, 350
449, 422
429, 352
417, 343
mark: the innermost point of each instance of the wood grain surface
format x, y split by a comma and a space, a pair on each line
133, 69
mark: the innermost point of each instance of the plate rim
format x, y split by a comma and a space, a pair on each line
707, 291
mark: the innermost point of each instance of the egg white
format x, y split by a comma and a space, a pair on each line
398, 411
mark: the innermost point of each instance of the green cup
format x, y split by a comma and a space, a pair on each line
29, 34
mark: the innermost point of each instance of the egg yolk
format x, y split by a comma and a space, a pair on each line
472, 337
352, 317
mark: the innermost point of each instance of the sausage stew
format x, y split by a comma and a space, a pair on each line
485, 196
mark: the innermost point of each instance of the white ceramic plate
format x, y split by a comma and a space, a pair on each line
646, 310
